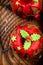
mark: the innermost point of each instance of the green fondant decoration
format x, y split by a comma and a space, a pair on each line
19, 48
35, 37
17, 3
13, 38
27, 45
35, 0
24, 34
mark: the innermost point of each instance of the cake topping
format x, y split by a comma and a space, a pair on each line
35, 0
18, 48
24, 34
27, 45
13, 38
35, 37
17, 3
28, 8
28, 38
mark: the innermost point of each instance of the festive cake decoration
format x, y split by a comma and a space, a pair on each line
17, 3
13, 38
26, 40
35, 0
27, 8
35, 37
27, 45
24, 34
19, 48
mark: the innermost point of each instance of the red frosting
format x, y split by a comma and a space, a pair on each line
26, 6
18, 42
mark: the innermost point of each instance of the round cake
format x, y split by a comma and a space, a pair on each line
27, 40
26, 8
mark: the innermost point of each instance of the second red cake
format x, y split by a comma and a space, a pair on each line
27, 8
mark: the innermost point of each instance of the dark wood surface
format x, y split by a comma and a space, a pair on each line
8, 22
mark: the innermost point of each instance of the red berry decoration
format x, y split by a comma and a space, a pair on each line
26, 40
27, 7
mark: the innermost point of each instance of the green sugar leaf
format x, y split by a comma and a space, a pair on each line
24, 34
35, 0
18, 48
35, 37
27, 45
13, 38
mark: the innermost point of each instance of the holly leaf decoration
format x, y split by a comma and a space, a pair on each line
24, 34
13, 38
27, 45
35, 0
35, 37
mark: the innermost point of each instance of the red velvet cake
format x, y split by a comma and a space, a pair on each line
27, 8
27, 40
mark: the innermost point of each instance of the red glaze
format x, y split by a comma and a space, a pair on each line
26, 7
35, 45
32, 30
30, 52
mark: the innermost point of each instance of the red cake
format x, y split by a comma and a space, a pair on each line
27, 40
27, 8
